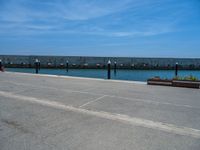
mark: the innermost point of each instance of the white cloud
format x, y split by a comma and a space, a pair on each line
20, 10
127, 18
84, 10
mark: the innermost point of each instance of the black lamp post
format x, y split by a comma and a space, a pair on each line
109, 69
36, 66
67, 66
0, 63
39, 65
176, 69
115, 67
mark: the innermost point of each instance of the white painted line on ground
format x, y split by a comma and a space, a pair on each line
95, 100
113, 96
52, 88
82, 78
169, 128
154, 102
18, 92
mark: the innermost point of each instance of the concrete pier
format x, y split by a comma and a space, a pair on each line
100, 62
51, 112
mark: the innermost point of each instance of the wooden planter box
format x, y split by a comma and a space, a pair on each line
186, 83
159, 82
174, 83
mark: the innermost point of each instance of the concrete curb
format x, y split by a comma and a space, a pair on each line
72, 77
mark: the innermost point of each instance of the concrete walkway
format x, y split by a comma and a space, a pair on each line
41, 112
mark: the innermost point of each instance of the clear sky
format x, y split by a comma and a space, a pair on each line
137, 28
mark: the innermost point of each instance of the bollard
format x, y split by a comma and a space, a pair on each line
67, 66
36, 66
176, 70
115, 68
39, 65
0, 64
109, 68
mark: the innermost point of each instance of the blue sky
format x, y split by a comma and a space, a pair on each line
137, 28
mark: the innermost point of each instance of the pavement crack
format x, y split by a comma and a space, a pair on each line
15, 125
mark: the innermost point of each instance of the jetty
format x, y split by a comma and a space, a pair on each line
90, 62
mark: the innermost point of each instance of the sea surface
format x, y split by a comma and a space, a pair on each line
133, 75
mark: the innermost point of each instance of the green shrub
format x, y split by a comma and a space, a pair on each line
191, 78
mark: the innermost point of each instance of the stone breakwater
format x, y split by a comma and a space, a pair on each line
99, 62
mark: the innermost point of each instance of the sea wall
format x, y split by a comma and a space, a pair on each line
99, 62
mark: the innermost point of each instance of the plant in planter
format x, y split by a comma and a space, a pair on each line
188, 82
192, 78
158, 81
188, 78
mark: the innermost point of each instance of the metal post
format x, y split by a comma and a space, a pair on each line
176, 70
36, 66
109, 68
39, 65
115, 67
67, 66
0, 64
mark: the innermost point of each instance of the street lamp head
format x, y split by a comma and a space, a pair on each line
176, 63
109, 62
36, 60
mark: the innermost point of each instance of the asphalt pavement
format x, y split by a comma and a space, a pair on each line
47, 112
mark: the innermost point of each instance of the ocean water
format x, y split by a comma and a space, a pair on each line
133, 75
